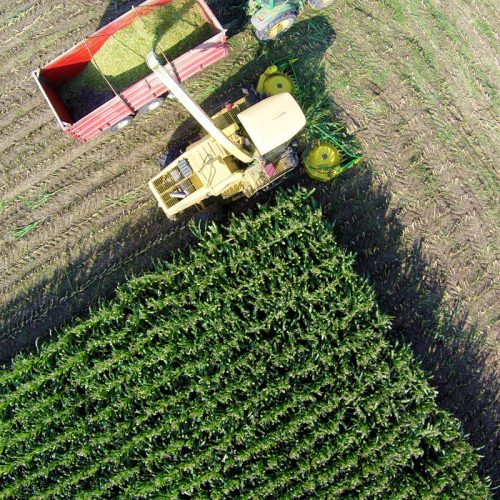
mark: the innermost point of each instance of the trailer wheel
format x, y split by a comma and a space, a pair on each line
151, 106
320, 4
275, 26
118, 127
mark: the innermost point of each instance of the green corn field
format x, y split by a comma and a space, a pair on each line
255, 366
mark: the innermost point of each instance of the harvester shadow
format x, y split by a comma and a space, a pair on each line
95, 275
407, 287
410, 290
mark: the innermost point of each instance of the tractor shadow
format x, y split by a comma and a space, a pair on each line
232, 14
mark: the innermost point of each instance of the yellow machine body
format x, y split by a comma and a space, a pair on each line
207, 169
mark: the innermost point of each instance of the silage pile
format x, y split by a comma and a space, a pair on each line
170, 30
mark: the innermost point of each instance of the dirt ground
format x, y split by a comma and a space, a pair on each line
417, 84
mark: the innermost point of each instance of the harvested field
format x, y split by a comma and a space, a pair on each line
417, 84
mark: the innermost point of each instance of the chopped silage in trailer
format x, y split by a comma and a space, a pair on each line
169, 30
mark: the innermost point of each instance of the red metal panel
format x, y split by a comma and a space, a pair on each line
56, 102
143, 92
102, 118
186, 66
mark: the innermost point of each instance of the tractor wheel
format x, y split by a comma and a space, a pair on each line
118, 127
169, 156
276, 26
320, 4
151, 106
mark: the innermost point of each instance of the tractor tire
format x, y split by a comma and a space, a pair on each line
118, 127
320, 4
276, 26
169, 156
151, 106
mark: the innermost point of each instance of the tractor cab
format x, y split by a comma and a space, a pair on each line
272, 123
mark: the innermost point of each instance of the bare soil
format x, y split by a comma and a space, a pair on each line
417, 84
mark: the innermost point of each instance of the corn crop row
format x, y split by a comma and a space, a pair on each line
255, 366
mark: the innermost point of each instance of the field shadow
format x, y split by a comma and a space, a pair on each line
407, 286
410, 290
115, 9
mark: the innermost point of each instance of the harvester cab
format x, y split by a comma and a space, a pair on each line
272, 17
248, 147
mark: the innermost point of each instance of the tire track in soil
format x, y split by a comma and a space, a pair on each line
11, 277
22, 132
30, 24
43, 265
45, 165
13, 188
65, 12
21, 121
134, 164
34, 149
62, 260
9, 10
93, 156
16, 94
13, 8
74, 207
46, 47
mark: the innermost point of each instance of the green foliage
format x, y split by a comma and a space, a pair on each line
255, 366
39, 202
22, 231
120, 200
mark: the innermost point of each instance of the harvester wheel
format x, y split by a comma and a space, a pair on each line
118, 127
277, 25
322, 162
151, 106
320, 4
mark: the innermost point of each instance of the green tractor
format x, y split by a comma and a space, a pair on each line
272, 17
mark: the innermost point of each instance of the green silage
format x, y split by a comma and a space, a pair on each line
170, 30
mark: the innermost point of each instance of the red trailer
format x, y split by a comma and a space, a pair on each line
118, 111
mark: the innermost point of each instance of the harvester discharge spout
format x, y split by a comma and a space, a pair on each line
166, 75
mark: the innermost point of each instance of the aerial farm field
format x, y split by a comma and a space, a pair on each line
416, 84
